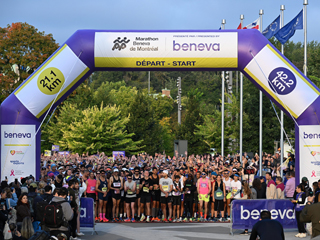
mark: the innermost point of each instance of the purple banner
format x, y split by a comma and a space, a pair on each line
64, 153
115, 154
55, 148
245, 213
86, 213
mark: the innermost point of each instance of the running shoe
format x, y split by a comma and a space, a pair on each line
185, 220
127, 220
101, 220
120, 219
142, 218
80, 234
148, 219
245, 233
170, 219
96, 219
157, 219
174, 220
165, 220
105, 220
133, 220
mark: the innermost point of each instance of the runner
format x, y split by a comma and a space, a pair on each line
146, 185
116, 185
196, 205
227, 182
213, 176
177, 189
204, 190
91, 192
102, 189
219, 198
137, 177
155, 195
166, 186
189, 188
130, 189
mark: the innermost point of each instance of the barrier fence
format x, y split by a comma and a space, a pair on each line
245, 213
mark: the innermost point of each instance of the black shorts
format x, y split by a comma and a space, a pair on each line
195, 198
166, 200
130, 200
92, 195
218, 205
176, 200
116, 196
145, 199
156, 195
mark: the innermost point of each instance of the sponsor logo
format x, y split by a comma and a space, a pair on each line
311, 135
12, 173
313, 173
313, 153
195, 46
282, 81
120, 44
83, 213
275, 213
17, 135
12, 152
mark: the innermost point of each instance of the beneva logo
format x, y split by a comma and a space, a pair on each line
17, 135
195, 46
275, 213
311, 135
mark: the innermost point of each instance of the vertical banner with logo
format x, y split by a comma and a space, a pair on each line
86, 213
115, 154
245, 213
309, 152
18, 154
55, 148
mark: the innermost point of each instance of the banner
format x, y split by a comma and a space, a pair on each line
55, 148
86, 213
47, 153
309, 151
115, 154
166, 49
64, 153
18, 154
245, 213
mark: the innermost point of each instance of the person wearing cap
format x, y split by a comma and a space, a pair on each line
235, 187
166, 186
306, 186
33, 198
204, 190
54, 170
115, 185
263, 186
102, 189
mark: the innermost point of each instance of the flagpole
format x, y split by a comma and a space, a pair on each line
282, 8
222, 107
241, 101
260, 110
305, 3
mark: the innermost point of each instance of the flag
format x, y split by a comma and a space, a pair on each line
220, 28
272, 29
285, 33
240, 26
254, 25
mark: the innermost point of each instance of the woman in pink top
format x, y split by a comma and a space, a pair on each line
91, 188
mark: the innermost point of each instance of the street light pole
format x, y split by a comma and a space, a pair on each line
222, 107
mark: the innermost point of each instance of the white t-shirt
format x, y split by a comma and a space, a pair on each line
236, 186
227, 184
166, 183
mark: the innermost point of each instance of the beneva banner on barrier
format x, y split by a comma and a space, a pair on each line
245, 213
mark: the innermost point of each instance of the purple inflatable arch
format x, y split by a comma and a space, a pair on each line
87, 51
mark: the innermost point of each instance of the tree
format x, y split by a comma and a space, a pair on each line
192, 118
99, 129
22, 49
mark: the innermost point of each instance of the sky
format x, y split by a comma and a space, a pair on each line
62, 18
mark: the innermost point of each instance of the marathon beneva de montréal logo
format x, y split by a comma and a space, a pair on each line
120, 44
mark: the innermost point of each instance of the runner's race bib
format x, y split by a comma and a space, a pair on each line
116, 191
165, 188
176, 193
129, 192
93, 188
104, 189
146, 189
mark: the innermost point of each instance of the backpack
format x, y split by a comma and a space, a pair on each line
53, 216
12, 215
41, 235
31, 201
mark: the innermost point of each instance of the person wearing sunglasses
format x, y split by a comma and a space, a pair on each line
204, 189
102, 189
137, 179
130, 189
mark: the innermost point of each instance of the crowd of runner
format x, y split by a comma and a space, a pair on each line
160, 188
140, 188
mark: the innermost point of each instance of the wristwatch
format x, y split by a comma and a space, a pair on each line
309, 203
